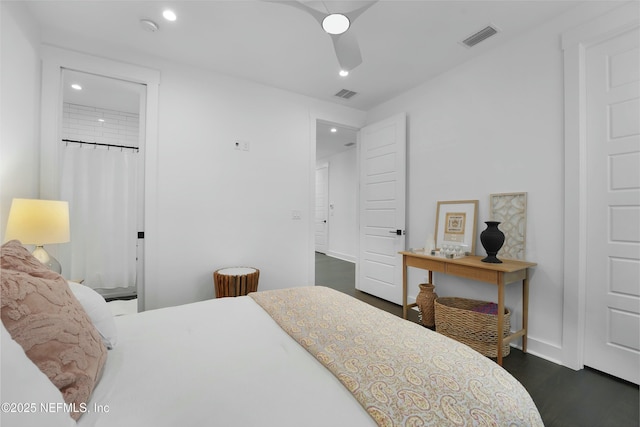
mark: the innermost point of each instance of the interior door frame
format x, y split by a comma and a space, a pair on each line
54, 60
575, 43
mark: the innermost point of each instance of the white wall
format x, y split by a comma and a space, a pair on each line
221, 207
495, 124
19, 106
343, 195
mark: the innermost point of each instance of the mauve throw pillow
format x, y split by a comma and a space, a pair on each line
42, 315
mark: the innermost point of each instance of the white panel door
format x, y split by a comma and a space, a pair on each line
612, 320
382, 166
322, 208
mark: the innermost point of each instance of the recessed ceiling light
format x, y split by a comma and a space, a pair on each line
343, 73
101, 120
336, 23
334, 130
169, 15
76, 86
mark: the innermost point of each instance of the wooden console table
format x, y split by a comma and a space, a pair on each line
471, 267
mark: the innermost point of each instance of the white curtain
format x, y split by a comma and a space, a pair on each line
100, 185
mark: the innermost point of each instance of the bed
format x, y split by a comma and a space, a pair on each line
302, 356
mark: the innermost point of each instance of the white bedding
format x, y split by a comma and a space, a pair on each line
243, 370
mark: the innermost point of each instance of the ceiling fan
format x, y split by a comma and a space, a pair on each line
335, 20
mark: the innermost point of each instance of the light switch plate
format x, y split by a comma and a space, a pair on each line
241, 145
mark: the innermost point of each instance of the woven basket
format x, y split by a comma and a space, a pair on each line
479, 331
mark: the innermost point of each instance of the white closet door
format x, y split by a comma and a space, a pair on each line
612, 332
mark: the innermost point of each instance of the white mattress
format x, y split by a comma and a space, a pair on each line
221, 362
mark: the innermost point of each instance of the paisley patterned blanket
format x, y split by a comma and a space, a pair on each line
401, 373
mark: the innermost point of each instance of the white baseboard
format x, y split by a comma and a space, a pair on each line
343, 257
543, 350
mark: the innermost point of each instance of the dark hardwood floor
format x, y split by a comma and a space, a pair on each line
564, 397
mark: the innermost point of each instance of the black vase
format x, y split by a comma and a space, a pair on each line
492, 240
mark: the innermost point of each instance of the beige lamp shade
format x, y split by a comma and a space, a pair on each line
38, 222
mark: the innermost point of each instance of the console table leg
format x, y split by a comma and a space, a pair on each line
525, 310
404, 287
500, 317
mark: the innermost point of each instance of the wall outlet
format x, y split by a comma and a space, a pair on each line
241, 145
296, 215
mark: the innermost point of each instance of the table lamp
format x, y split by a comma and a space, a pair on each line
39, 222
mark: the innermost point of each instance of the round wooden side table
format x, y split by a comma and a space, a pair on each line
235, 281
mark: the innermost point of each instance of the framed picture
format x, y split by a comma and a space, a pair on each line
511, 210
456, 223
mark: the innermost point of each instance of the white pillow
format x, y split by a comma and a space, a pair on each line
99, 312
31, 397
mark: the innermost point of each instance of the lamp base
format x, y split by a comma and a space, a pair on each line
43, 256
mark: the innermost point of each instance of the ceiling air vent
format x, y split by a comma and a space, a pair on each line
481, 35
345, 94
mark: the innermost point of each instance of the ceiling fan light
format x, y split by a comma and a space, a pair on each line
336, 23
343, 73
169, 15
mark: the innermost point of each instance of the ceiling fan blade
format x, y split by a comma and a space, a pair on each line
319, 16
345, 44
347, 50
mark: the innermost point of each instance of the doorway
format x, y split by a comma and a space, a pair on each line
335, 226
371, 200
102, 135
